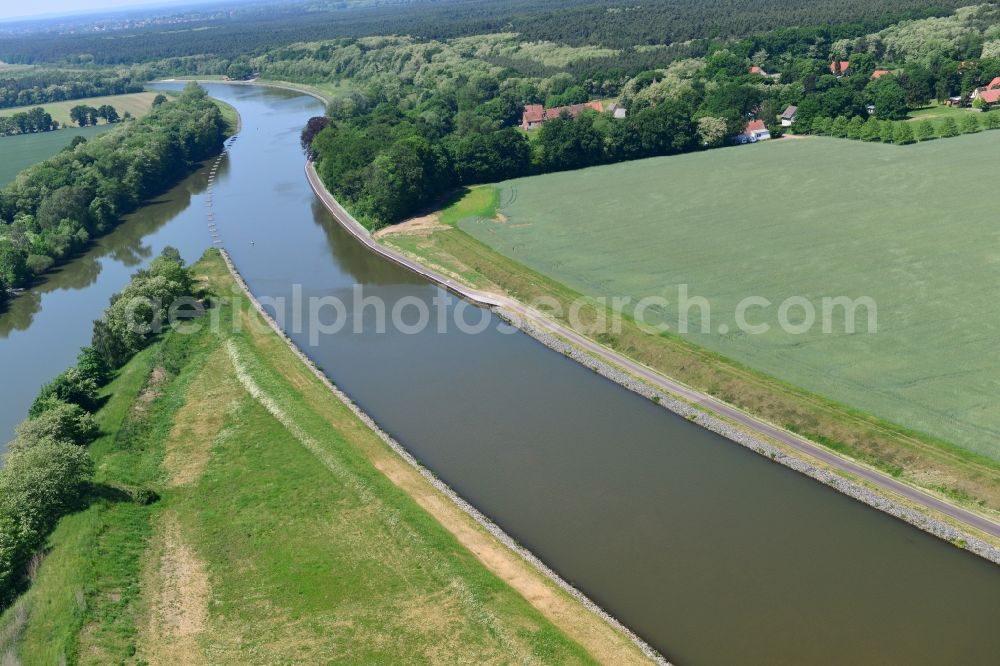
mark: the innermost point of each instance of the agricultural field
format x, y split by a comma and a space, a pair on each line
22, 150
138, 104
911, 227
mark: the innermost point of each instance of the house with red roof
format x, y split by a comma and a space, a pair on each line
879, 73
757, 70
839, 67
534, 115
990, 93
755, 131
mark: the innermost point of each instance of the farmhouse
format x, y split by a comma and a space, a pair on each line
535, 114
757, 70
617, 111
755, 131
990, 93
840, 67
788, 115
879, 73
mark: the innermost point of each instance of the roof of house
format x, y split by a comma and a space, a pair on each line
574, 109
536, 113
879, 73
757, 70
790, 112
991, 96
533, 113
995, 83
755, 126
844, 66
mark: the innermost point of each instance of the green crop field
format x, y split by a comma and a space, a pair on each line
21, 151
913, 227
138, 104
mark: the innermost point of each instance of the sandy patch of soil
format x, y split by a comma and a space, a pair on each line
179, 593
197, 423
415, 226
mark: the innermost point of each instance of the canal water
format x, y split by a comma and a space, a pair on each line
711, 553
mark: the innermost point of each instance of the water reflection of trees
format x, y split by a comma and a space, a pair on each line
123, 245
364, 266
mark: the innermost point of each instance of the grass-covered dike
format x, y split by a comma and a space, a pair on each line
273, 526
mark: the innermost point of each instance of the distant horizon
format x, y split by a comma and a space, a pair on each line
50, 9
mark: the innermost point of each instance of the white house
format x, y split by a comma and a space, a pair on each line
788, 116
755, 131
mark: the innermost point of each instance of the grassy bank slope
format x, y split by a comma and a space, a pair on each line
286, 531
925, 461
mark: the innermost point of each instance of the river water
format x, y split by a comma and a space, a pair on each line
711, 553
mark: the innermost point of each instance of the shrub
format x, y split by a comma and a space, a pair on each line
902, 134
838, 127
61, 421
949, 127
855, 127
970, 124
871, 129
91, 365
887, 131
137, 313
38, 263
39, 484
925, 130
72, 387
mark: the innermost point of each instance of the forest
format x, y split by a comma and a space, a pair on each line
437, 108
613, 23
54, 209
41, 86
425, 117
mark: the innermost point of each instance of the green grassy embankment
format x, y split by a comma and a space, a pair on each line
574, 241
286, 531
230, 115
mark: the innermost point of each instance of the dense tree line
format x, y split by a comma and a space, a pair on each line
55, 208
386, 164
25, 88
430, 116
83, 114
615, 23
47, 469
27, 122
905, 132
